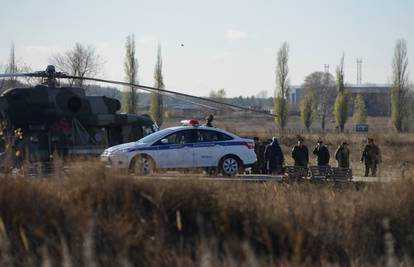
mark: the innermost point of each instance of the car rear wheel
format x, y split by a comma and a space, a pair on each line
142, 165
230, 166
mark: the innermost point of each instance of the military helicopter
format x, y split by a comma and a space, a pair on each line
64, 120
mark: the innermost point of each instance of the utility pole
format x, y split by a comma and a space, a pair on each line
359, 71
326, 67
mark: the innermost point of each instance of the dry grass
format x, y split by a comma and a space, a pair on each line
90, 218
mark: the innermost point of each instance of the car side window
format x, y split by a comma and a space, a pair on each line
181, 137
211, 136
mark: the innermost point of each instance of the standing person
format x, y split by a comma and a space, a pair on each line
209, 120
322, 154
371, 156
259, 151
18, 148
300, 154
342, 155
273, 157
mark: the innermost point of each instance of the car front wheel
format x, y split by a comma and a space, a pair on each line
142, 165
230, 166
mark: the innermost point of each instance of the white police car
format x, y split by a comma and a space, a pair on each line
187, 146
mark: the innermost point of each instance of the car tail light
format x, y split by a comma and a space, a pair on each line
249, 145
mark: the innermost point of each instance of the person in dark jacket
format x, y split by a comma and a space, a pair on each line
273, 157
322, 154
371, 156
300, 154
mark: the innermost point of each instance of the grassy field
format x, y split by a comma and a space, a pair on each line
91, 218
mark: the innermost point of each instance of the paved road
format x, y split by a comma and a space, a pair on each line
171, 175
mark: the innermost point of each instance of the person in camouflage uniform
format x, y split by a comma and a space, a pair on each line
259, 149
342, 155
18, 148
371, 156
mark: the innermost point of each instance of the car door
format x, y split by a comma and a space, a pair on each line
209, 147
175, 150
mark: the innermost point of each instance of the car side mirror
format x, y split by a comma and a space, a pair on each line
164, 141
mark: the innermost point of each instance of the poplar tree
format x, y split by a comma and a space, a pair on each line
130, 96
281, 101
342, 97
157, 109
400, 111
307, 110
360, 110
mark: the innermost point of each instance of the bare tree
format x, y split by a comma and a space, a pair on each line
131, 73
322, 85
399, 92
282, 86
11, 67
80, 61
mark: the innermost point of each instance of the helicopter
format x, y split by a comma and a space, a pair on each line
64, 120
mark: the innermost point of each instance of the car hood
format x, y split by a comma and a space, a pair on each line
122, 147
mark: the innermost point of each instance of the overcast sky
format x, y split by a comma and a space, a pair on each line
227, 44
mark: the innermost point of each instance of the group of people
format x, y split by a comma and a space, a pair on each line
270, 158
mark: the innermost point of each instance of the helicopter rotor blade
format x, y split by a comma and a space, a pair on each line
183, 99
11, 75
153, 89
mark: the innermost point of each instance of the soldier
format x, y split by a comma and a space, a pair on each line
342, 155
322, 154
371, 156
18, 148
259, 151
209, 120
273, 157
300, 154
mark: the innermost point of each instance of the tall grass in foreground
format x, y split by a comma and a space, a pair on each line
90, 218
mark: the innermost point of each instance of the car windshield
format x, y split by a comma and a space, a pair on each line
154, 136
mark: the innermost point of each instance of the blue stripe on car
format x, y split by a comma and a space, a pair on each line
179, 146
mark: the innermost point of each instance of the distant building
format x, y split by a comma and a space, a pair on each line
377, 98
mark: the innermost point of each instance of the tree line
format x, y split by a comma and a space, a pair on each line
321, 100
